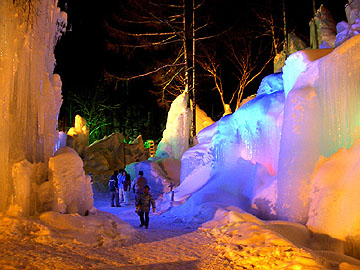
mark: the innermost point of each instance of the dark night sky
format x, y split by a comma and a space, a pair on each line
80, 53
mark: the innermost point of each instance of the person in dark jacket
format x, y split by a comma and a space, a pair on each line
113, 191
138, 185
143, 206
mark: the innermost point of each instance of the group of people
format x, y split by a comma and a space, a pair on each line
120, 186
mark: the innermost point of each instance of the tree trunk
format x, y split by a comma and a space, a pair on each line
193, 67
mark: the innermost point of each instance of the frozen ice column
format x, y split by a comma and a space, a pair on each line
300, 139
30, 93
322, 115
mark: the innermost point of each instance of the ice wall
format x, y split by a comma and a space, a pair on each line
30, 92
224, 165
321, 116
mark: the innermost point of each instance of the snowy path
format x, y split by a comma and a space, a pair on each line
97, 242
165, 245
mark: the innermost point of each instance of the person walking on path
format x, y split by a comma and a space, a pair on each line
138, 187
127, 187
113, 191
121, 180
143, 206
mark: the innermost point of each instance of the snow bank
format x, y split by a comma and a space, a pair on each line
97, 229
249, 243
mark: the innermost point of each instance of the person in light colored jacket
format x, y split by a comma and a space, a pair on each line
143, 206
121, 180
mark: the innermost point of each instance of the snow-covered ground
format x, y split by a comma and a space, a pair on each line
231, 240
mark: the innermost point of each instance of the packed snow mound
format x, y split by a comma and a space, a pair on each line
335, 200
70, 187
246, 236
96, 229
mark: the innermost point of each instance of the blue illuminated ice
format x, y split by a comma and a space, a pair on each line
262, 157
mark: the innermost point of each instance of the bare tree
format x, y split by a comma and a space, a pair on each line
246, 61
148, 27
248, 66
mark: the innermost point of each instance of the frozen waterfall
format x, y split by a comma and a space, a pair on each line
30, 93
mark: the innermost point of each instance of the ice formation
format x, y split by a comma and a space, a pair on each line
175, 140
71, 190
231, 152
320, 117
334, 210
30, 92
262, 158
78, 136
175, 136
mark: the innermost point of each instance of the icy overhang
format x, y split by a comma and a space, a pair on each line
298, 63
